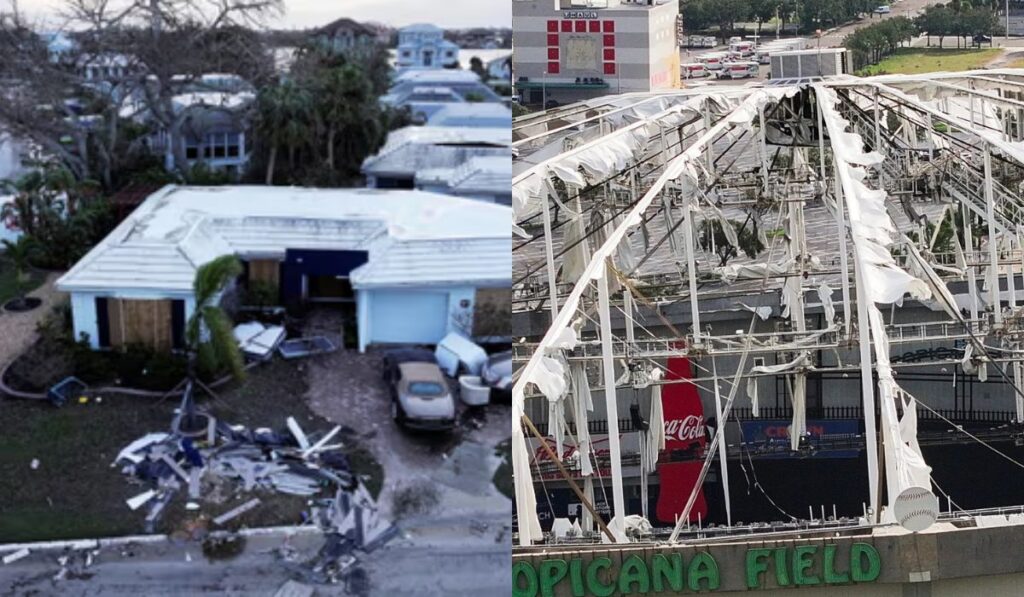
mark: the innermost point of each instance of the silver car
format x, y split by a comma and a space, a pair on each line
420, 395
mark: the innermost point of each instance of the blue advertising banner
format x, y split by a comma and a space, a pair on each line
831, 438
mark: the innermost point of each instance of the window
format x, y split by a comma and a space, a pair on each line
552, 53
609, 26
609, 40
552, 39
595, 27
609, 68
566, 26
406, 53
426, 389
581, 26
191, 152
553, 68
552, 26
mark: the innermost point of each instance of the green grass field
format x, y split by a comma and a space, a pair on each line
912, 61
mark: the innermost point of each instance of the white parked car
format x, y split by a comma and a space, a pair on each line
883, 10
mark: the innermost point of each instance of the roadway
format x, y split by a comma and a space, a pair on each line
433, 556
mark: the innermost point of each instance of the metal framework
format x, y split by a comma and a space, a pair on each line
842, 197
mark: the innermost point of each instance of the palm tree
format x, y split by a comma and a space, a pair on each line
210, 335
20, 254
284, 113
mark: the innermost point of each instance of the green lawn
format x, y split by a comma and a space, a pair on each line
8, 280
912, 61
74, 493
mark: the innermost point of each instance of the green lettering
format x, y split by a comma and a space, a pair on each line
524, 571
634, 571
757, 562
802, 563
831, 576
594, 584
858, 553
551, 572
662, 570
703, 567
576, 577
781, 569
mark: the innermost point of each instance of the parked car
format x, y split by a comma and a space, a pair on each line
982, 39
420, 395
497, 372
883, 10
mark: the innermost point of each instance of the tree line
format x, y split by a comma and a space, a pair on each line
960, 18
871, 44
701, 15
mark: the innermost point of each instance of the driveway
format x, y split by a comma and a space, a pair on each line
19, 329
347, 388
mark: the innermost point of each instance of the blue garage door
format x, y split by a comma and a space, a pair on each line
408, 316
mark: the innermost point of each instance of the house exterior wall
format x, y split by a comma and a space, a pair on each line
85, 319
380, 323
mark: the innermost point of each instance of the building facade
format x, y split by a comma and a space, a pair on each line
566, 52
424, 46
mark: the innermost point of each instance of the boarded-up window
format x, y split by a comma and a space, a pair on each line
492, 312
142, 322
264, 270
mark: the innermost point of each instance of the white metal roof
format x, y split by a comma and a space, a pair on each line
487, 114
416, 148
481, 174
412, 237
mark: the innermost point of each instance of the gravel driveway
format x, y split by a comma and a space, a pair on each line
19, 329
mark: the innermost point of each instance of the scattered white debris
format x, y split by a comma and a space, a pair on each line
236, 511
136, 502
34, 464
15, 556
129, 452
300, 436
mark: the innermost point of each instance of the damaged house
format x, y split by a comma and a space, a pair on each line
413, 265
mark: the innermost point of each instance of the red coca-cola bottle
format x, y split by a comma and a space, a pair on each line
684, 430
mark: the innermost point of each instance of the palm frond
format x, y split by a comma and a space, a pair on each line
222, 340
212, 277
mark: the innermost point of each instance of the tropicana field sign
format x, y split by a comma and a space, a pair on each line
799, 566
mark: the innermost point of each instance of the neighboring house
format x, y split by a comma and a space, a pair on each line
425, 92
487, 178
415, 265
213, 131
487, 115
346, 36
424, 46
501, 68
412, 149
213, 110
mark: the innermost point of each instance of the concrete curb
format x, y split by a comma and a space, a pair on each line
150, 539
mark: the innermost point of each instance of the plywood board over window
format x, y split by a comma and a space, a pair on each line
492, 312
140, 322
265, 270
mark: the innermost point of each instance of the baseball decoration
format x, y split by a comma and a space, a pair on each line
916, 508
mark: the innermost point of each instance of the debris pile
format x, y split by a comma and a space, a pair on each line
217, 458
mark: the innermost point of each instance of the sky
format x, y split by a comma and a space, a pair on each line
312, 13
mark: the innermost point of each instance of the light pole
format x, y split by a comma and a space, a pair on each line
544, 91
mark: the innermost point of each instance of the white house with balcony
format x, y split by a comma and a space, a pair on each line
424, 46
